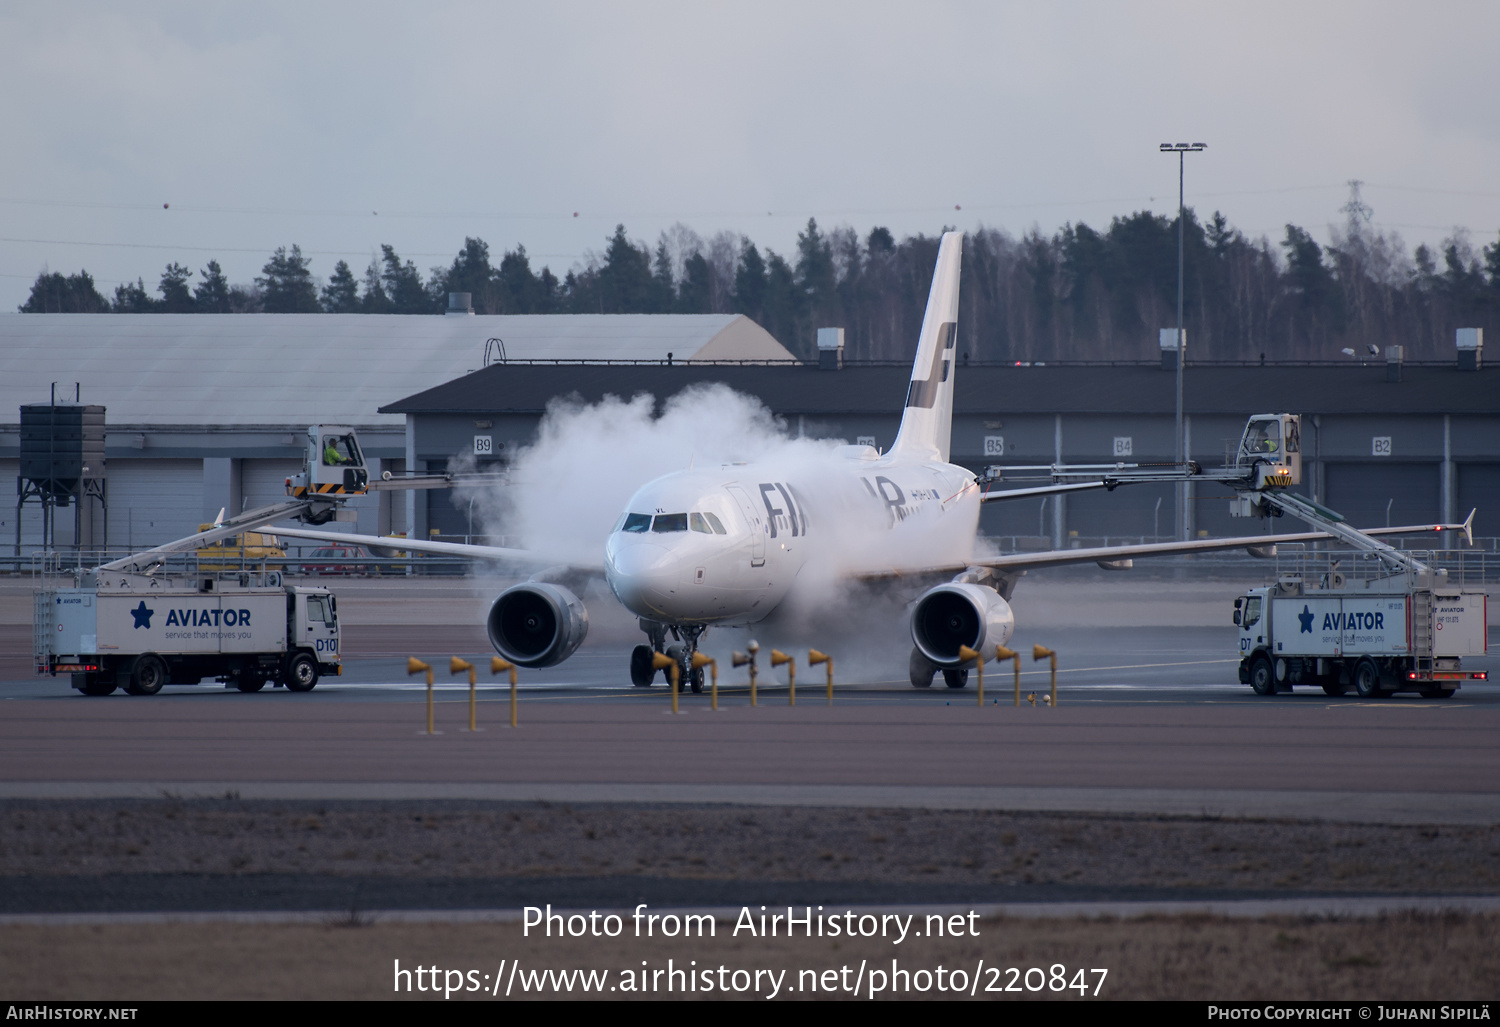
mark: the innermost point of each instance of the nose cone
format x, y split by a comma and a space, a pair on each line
642, 575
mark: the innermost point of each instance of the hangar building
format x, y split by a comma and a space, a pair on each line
209, 411
1377, 450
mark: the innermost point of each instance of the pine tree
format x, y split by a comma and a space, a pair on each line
625, 283
287, 285
341, 294
403, 284
750, 283
519, 290
471, 273
695, 296
374, 299
211, 296
54, 293
176, 298
134, 299
663, 294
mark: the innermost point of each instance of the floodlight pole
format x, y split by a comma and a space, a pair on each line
1181, 149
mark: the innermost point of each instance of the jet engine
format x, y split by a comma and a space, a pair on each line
958, 614
537, 624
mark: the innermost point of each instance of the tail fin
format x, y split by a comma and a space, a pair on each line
927, 424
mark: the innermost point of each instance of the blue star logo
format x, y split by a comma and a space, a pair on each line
1306, 618
142, 615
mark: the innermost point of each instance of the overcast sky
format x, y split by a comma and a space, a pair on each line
343, 126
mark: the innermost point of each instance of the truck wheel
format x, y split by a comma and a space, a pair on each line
147, 676
1367, 680
302, 673
1262, 678
250, 681
1334, 686
920, 669
956, 678
1439, 693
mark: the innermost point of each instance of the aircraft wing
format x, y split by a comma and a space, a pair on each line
1059, 557
464, 549
1108, 554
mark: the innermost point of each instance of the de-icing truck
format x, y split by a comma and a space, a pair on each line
1389, 633
140, 632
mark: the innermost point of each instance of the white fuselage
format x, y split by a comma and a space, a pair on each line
729, 545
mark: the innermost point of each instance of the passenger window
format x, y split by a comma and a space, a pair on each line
636, 523
715, 523
1252, 612
669, 522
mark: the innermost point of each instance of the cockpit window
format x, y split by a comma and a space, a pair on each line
636, 523
697, 522
669, 522
716, 524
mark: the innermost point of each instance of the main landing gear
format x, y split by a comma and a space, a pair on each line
643, 674
922, 671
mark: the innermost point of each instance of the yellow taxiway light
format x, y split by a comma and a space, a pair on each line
813, 659
666, 663
1002, 654
1039, 652
975, 657
699, 662
416, 666
456, 665
496, 666
777, 659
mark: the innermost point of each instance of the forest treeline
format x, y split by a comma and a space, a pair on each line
1077, 294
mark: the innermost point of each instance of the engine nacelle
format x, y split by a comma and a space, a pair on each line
537, 624
959, 614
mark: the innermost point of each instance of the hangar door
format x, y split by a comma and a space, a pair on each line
263, 482
1362, 492
153, 501
1479, 489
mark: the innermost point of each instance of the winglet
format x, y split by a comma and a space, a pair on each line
219, 520
1469, 526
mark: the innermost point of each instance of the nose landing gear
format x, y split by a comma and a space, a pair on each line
643, 674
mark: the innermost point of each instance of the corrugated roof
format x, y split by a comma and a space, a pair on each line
1137, 389
295, 369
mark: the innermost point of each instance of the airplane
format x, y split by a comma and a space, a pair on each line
732, 544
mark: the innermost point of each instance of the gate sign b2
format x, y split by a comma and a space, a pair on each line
1380, 445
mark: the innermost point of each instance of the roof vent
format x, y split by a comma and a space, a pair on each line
1167, 339
1395, 356
830, 349
461, 304
1470, 348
